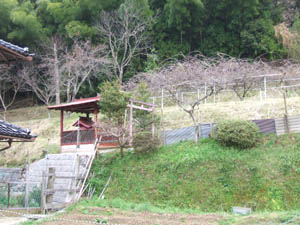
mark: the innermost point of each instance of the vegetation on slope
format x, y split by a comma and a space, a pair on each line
207, 177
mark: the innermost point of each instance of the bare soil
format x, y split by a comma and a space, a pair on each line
113, 216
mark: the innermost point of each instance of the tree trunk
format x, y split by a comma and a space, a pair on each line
122, 151
121, 72
56, 74
196, 128
4, 114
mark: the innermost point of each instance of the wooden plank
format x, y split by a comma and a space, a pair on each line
140, 107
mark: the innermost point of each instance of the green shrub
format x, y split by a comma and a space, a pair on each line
143, 143
237, 133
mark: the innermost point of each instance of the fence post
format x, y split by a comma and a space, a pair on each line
26, 187
265, 86
8, 195
162, 98
260, 94
286, 118
205, 92
43, 207
214, 93
162, 115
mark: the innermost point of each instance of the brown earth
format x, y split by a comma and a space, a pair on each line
113, 216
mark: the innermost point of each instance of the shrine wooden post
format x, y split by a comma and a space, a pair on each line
61, 126
131, 122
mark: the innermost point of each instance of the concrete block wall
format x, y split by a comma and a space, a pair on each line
65, 164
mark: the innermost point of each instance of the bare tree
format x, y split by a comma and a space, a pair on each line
39, 82
190, 74
244, 75
10, 85
82, 62
53, 58
118, 132
125, 31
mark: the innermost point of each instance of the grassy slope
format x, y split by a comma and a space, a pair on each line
207, 177
36, 119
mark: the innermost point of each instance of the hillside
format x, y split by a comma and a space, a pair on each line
207, 177
36, 118
47, 130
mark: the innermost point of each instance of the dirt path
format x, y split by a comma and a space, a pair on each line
11, 220
113, 216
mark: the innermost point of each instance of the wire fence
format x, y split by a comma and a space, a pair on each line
266, 87
16, 195
289, 124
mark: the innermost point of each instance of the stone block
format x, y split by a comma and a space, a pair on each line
241, 210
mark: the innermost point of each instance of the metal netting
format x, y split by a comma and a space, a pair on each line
20, 195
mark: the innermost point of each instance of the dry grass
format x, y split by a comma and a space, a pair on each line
174, 117
47, 130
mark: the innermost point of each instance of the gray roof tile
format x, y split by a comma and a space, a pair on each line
10, 130
23, 51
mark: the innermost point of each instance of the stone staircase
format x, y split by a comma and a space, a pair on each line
70, 170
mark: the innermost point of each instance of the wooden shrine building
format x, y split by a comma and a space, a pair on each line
87, 129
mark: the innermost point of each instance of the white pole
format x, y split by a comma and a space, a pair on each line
260, 94
265, 86
214, 93
205, 90
162, 99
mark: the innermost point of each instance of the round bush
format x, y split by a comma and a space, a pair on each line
143, 143
237, 133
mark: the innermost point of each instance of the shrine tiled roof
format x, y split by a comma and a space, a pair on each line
8, 130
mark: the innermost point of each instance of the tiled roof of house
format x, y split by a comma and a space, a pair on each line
8, 130
23, 51
10, 52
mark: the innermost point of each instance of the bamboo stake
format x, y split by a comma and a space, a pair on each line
104, 189
89, 165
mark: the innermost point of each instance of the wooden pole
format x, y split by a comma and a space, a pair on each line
286, 119
61, 126
162, 114
214, 93
26, 183
260, 94
96, 123
78, 136
43, 208
131, 123
8, 195
205, 92
153, 124
265, 86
